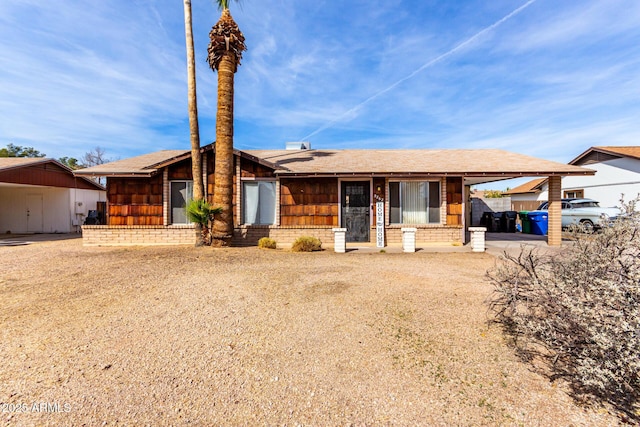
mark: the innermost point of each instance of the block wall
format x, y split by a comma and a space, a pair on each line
104, 235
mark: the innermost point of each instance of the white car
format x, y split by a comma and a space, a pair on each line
586, 212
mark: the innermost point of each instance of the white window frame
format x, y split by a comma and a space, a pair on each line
428, 181
171, 207
243, 200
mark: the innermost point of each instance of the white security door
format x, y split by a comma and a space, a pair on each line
35, 217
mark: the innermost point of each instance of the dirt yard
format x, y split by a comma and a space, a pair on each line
179, 335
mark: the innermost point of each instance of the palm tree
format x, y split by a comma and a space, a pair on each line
225, 52
199, 211
196, 159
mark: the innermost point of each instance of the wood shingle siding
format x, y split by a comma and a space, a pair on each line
312, 201
254, 170
181, 171
135, 201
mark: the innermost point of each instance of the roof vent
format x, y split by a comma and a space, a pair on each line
298, 145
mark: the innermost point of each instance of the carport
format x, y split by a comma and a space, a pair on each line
41, 195
529, 167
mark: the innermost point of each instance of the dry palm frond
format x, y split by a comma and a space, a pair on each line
225, 37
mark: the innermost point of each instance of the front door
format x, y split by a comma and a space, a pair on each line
356, 210
34, 213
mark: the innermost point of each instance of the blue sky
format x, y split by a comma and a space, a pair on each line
546, 78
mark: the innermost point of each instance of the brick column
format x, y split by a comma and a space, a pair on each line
166, 194
205, 173
554, 237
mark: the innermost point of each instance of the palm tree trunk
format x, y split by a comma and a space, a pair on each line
196, 159
223, 189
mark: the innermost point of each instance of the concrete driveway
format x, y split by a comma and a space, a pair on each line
499, 243
25, 239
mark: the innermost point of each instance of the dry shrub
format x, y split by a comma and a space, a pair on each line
267, 243
579, 311
306, 244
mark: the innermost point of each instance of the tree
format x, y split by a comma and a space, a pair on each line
196, 158
19, 151
493, 194
94, 157
224, 56
70, 162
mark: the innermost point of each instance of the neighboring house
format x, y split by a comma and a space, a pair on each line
617, 173
526, 197
40, 195
285, 194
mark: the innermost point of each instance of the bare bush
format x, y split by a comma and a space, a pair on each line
579, 311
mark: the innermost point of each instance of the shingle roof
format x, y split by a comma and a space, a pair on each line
625, 151
465, 162
15, 162
479, 163
615, 151
144, 165
528, 187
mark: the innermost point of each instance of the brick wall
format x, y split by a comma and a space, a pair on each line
249, 235
426, 234
103, 235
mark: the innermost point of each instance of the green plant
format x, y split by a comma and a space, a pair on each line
306, 244
493, 194
580, 311
267, 243
201, 212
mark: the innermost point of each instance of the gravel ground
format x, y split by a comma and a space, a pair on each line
179, 335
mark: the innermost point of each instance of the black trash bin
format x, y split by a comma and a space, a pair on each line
93, 218
485, 219
494, 222
508, 221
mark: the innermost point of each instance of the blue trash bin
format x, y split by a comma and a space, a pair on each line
539, 222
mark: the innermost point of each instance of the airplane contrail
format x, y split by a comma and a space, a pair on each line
427, 65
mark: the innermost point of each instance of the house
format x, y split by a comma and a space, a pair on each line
617, 173
40, 195
285, 194
526, 197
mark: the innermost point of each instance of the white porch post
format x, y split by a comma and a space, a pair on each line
339, 240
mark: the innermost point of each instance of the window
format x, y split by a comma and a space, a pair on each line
181, 193
574, 194
259, 202
414, 202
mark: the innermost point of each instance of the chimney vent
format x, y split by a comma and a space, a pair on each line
298, 145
